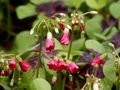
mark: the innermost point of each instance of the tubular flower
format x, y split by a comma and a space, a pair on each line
96, 61
72, 68
24, 66
82, 27
49, 45
61, 65
61, 25
64, 40
52, 64
12, 64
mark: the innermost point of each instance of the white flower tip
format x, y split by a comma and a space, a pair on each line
62, 14
31, 31
49, 35
93, 12
56, 30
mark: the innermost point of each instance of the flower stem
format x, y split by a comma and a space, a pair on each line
70, 46
39, 55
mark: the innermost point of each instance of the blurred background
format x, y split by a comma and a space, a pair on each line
17, 18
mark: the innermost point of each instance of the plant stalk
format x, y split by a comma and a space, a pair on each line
39, 55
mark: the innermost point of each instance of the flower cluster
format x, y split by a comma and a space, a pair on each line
12, 66
59, 65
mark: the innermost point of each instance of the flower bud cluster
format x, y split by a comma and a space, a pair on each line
12, 66
59, 65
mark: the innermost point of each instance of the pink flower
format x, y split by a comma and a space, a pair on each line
4, 72
72, 68
61, 65
61, 25
52, 64
12, 64
24, 66
65, 37
96, 61
49, 45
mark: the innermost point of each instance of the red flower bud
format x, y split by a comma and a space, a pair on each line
4, 72
61, 65
53, 64
12, 64
72, 68
82, 27
24, 66
65, 37
49, 45
96, 61
61, 25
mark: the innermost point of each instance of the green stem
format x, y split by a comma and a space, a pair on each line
39, 55
70, 46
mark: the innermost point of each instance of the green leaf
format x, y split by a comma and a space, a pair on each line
112, 32
109, 70
100, 36
114, 10
24, 41
105, 84
39, 84
96, 4
5, 86
40, 1
57, 44
95, 45
93, 26
78, 44
73, 3
25, 11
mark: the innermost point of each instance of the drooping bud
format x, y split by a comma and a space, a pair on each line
64, 40
61, 25
12, 65
72, 68
82, 27
56, 30
61, 65
49, 44
96, 61
24, 66
4, 72
52, 64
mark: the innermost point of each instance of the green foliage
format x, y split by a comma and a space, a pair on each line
109, 70
24, 11
24, 42
93, 26
114, 9
39, 84
96, 4
95, 45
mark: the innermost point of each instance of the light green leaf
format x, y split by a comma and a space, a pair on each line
93, 26
40, 1
57, 44
39, 84
78, 44
114, 10
109, 70
96, 4
73, 3
25, 11
105, 84
24, 41
95, 45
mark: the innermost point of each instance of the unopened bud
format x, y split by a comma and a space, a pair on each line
56, 30
93, 12
111, 45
